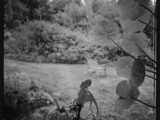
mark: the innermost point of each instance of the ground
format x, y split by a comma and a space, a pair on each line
64, 80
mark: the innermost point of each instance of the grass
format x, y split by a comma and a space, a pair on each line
63, 82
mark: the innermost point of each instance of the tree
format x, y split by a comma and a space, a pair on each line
14, 12
136, 17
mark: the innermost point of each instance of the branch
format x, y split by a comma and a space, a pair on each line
128, 53
150, 66
150, 77
147, 9
121, 48
150, 71
147, 24
143, 103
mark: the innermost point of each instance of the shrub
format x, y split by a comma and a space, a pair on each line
96, 5
76, 12
59, 5
22, 95
41, 41
31, 37
63, 19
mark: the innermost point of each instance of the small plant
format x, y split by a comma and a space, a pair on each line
22, 95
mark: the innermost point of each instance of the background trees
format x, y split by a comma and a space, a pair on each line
25, 19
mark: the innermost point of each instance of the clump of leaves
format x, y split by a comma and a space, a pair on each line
22, 95
131, 8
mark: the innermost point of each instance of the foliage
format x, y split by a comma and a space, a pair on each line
37, 41
59, 5
14, 11
137, 75
96, 5
133, 41
63, 39
123, 104
123, 89
76, 12
109, 11
106, 28
22, 94
41, 41
131, 8
63, 19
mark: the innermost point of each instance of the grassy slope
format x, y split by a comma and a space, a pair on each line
64, 80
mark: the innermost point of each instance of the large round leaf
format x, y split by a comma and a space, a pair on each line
135, 93
124, 66
137, 73
122, 104
106, 27
131, 8
150, 53
133, 43
123, 89
145, 19
129, 26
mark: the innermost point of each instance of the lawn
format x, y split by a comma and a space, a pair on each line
64, 80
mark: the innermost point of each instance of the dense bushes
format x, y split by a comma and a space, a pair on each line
59, 40
22, 94
41, 41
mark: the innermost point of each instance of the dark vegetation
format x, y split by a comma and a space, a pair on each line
37, 31
22, 95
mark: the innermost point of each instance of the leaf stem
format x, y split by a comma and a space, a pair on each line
150, 66
121, 47
150, 77
150, 71
127, 52
143, 103
147, 9
147, 24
